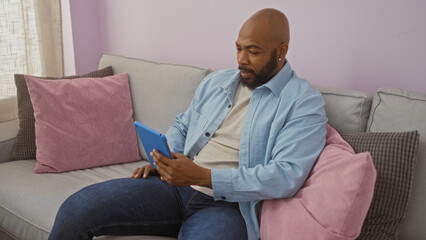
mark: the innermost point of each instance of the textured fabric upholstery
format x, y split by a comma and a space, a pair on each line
83, 126
25, 147
394, 156
393, 110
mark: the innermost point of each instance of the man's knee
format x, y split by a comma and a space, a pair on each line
76, 206
72, 219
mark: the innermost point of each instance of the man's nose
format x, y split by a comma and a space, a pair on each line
242, 58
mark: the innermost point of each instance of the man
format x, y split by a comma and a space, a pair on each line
249, 134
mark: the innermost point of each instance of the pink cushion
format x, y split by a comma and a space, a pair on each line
82, 123
333, 202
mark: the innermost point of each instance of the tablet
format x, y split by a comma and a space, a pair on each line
151, 140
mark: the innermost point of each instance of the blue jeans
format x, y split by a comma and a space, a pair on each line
146, 207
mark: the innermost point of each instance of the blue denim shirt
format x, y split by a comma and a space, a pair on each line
283, 133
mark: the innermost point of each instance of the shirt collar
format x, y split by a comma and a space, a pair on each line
232, 83
277, 83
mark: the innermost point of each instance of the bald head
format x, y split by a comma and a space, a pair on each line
269, 24
262, 46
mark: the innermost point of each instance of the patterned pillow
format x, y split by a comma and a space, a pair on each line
25, 146
394, 156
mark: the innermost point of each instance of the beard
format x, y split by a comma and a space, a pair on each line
263, 76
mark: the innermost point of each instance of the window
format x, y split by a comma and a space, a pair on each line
30, 43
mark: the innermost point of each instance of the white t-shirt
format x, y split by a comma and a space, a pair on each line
222, 150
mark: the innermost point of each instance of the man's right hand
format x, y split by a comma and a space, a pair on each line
143, 171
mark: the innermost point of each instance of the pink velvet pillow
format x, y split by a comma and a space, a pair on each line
333, 202
82, 123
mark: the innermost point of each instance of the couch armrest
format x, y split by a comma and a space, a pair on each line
9, 126
8, 108
8, 132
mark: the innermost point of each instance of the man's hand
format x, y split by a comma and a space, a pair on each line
143, 171
180, 170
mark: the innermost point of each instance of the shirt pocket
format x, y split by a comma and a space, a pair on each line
259, 142
264, 139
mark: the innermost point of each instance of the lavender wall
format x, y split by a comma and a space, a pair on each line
86, 34
359, 45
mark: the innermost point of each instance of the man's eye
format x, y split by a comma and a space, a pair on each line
254, 53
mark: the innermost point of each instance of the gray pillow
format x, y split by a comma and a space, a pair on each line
394, 156
346, 109
25, 146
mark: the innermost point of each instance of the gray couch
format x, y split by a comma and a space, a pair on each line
29, 201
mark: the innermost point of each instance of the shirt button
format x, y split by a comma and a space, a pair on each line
229, 106
207, 134
223, 198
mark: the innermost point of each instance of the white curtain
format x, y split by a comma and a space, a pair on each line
30, 43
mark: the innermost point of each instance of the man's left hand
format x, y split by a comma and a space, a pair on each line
180, 170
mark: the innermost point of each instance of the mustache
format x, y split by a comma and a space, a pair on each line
241, 68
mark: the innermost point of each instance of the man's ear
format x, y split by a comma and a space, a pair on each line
283, 49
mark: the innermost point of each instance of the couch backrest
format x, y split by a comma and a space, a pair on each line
395, 110
159, 91
156, 85
346, 109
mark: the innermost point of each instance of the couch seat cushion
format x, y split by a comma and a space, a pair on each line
29, 202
